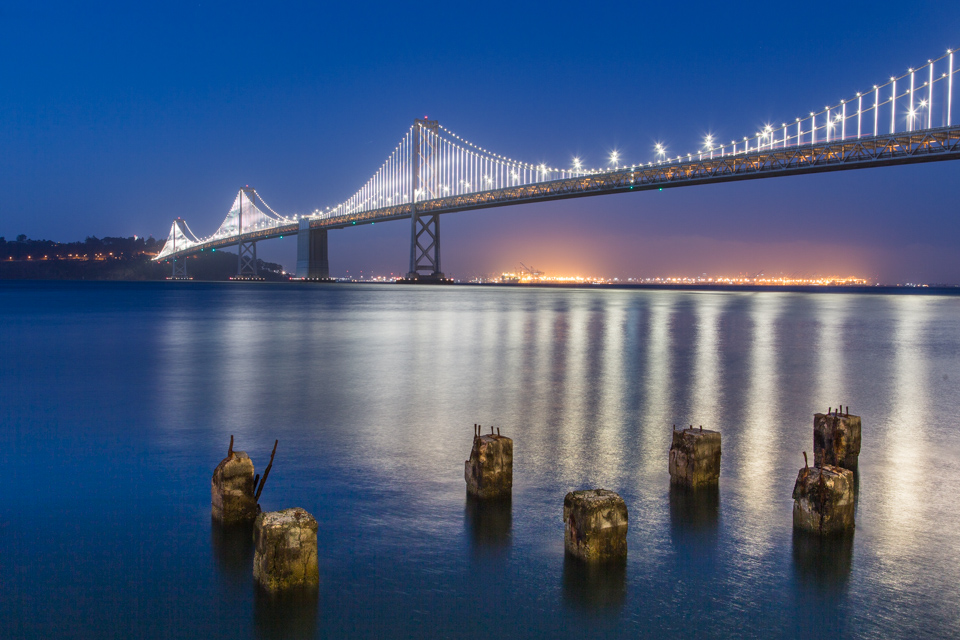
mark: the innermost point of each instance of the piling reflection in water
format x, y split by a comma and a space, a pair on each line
489, 523
599, 587
694, 511
822, 563
232, 547
290, 615
694, 526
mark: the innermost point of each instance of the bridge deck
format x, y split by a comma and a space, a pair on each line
927, 145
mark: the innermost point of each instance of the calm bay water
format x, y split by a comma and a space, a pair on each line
118, 400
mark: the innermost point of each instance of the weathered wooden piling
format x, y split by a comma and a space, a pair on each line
232, 489
836, 438
489, 471
595, 525
695, 457
823, 499
285, 550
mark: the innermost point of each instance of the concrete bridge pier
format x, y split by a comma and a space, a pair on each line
313, 262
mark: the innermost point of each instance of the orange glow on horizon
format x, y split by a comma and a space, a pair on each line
759, 280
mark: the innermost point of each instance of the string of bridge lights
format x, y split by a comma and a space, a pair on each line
837, 116
769, 137
480, 166
766, 138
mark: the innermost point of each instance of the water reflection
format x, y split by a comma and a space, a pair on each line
610, 386
594, 586
761, 438
705, 392
822, 563
658, 413
288, 615
832, 383
591, 382
694, 525
233, 550
907, 505
489, 523
694, 511
573, 396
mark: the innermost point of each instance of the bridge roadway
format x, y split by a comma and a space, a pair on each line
927, 145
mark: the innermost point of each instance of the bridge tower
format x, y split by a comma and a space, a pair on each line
179, 264
246, 251
313, 262
424, 230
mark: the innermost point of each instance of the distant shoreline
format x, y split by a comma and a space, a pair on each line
953, 290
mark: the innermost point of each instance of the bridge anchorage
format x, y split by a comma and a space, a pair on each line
433, 171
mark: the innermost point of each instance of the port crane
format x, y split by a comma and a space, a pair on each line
534, 273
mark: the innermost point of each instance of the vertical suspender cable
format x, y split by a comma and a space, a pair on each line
859, 114
950, 91
912, 113
893, 108
876, 111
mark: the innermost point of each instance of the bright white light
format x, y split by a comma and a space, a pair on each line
576, 163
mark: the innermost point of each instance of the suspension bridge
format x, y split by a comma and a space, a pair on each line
432, 171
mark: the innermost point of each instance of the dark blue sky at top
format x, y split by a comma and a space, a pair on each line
116, 118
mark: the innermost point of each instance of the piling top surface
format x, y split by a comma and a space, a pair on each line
828, 471
294, 516
592, 498
491, 443
696, 437
698, 432
594, 510
837, 414
238, 464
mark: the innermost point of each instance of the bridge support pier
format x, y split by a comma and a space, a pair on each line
247, 259
179, 268
425, 248
313, 262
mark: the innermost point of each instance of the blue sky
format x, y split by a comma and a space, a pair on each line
116, 118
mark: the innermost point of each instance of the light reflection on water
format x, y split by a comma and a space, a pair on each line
373, 391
